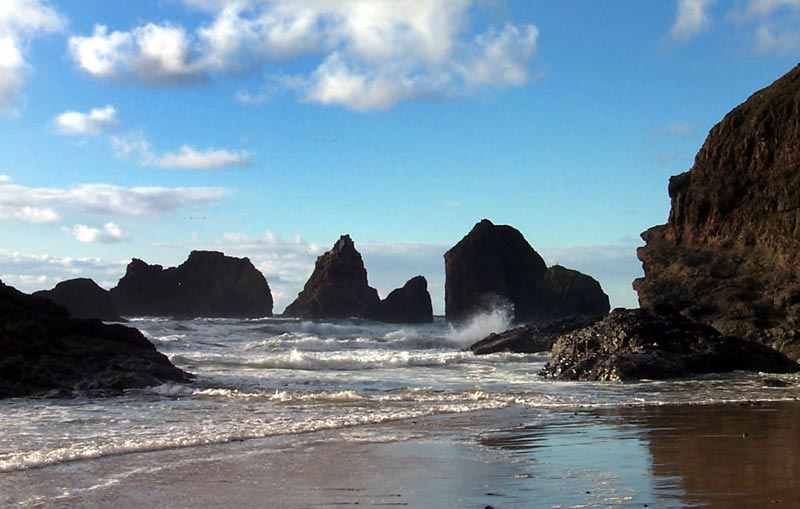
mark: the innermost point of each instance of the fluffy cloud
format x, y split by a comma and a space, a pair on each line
109, 234
97, 121
692, 17
371, 54
150, 53
41, 204
20, 20
188, 158
37, 272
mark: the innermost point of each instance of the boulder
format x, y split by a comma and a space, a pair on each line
338, 286
207, 284
531, 338
83, 298
44, 350
630, 345
409, 304
494, 266
729, 255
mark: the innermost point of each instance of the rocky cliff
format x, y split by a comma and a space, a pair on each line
207, 284
729, 255
338, 286
494, 265
409, 304
43, 349
83, 298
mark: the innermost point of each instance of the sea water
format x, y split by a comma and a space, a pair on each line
273, 377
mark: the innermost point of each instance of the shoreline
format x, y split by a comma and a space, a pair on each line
718, 455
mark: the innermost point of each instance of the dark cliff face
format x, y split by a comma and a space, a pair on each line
490, 266
207, 284
409, 304
494, 265
338, 286
729, 255
84, 299
42, 349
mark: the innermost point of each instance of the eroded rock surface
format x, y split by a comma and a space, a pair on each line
729, 255
629, 345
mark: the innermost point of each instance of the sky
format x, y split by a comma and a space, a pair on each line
268, 128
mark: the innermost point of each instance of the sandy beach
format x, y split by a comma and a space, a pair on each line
654, 456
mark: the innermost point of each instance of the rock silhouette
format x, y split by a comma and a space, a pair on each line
83, 298
207, 284
729, 255
409, 304
43, 350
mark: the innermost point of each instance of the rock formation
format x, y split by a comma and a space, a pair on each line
636, 344
531, 338
494, 265
44, 349
729, 255
207, 284
83, 298
409, 304
338, 286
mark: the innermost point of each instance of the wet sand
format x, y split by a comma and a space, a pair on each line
717, 456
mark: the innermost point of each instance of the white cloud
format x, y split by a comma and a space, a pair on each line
43, 204
110, 233
189, 158
150, 53
97, 121
29, 272
4, 179
692, 17
369, 54
20, 20
770, 40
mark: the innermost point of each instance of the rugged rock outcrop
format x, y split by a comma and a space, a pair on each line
493, 265
83, 298
338, 286
636, 344
409, 304
530, 338
729, 255
207, 284
44, 349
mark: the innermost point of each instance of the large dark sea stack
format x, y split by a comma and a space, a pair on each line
729, 256
491, 266
83, 298
208, 284
494, 265
409, 304
338, 286
44, 349
629, 345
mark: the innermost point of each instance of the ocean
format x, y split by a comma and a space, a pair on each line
284, 379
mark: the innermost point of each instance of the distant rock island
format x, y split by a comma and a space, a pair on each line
729, 255
83, 298
207, 284
494, 265
44, 350
338, 288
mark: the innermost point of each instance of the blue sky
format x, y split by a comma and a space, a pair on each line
267, 128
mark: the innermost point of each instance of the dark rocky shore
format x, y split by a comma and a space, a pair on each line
83, 298
45, 351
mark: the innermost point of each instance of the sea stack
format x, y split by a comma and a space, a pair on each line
409, 304
43, 349
83, 298
207, 284
338, 286
493, 266
729, 255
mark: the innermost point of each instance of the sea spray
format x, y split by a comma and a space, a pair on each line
481, 325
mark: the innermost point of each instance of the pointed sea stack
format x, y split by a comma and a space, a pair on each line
338, 286
207, 284
83, 298
409, 304
729, 255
